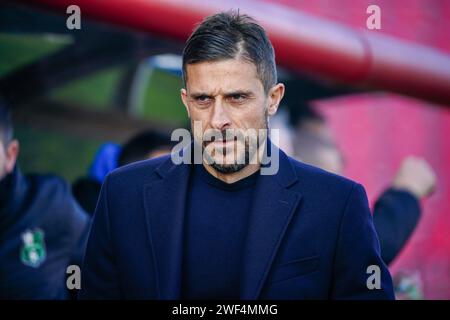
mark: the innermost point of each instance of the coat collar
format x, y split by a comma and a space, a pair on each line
273, 205
13, 192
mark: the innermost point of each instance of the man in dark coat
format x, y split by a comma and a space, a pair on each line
243, 220
42, 229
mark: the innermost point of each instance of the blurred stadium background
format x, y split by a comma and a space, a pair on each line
385, 93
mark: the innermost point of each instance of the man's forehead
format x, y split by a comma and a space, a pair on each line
225, 76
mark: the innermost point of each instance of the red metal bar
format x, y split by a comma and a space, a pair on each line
302, 42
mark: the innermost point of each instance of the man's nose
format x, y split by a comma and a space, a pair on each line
220, 119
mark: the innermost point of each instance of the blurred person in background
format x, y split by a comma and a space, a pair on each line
145, 145
397, 211
87, 188
42, 228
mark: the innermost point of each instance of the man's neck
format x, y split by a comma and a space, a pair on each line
233, 176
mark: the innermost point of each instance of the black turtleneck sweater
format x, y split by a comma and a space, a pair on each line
212, 259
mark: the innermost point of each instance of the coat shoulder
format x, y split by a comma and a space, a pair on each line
137, 173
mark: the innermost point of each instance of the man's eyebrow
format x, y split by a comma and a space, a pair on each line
198, 94
238, 92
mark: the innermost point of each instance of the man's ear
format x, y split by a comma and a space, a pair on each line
184, 99
276, 93
12, 152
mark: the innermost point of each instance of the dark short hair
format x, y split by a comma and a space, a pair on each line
230, 35
6, 125
139, 146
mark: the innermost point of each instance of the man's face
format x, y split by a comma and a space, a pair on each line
8, 157
226, 95
3, 161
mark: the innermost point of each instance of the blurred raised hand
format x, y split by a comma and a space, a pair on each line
416, 176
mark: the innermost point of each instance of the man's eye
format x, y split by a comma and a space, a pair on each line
238, 97
202, 99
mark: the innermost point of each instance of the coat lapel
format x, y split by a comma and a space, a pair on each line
272, 210
164, 202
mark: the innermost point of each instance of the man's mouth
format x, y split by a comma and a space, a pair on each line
223, 141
